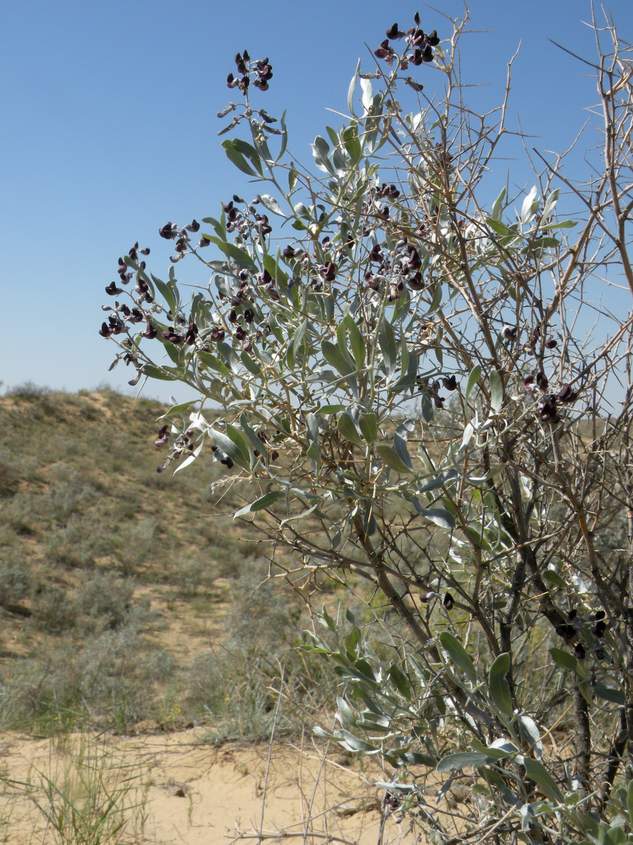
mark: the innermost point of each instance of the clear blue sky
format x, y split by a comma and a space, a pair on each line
109, 130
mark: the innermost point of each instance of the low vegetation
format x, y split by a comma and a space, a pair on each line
126, 601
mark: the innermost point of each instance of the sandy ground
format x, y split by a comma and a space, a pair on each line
186, 792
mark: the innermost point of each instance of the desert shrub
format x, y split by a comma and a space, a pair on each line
54, 608
194, 574
108, 681
20, 513
236, 685
135, 543
106, 600
406, 397
15, 581
28, 390
79, 541
67, 493
9, 479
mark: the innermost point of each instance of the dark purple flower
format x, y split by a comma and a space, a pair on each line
566, 394
150, 332
394, 32
547, 408
163, 437
112, 289
168, 231
417, 86
192, 333
542, 380
173, 337
136, 316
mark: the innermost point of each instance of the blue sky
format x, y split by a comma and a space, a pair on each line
109, 130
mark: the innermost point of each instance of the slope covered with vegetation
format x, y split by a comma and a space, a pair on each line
127, 598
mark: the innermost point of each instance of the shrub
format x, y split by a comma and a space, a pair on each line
106, 600
15, 582
109, 682
403, 377
238, 682
54, 608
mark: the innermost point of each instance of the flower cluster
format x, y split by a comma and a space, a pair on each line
128, 268
171, 232
418, 50
246, 222
537, 382
395, 268
575, 629
259, 72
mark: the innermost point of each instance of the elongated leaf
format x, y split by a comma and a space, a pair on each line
338, 360
251, 364
563, 224
246, 150
229, 447
369, 426
458, 654
542, 778
180, 408
238, 159
531, 729
352, 143
169, 292
240, 256
162, 373
356, 340
400, 446
496, 391
271, 204
320, 153
294, 349
501, 229
462, 760
391, 458
241, 442
498, 686
259, 504
439, 516
212, 361
498, 205
473, 380
564, 659
367, 95
387, 342
352, 88
609, 693
401, 682
348, 429
529, 205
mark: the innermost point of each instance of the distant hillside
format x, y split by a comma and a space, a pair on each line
127, 599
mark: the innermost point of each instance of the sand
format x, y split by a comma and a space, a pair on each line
185, 791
